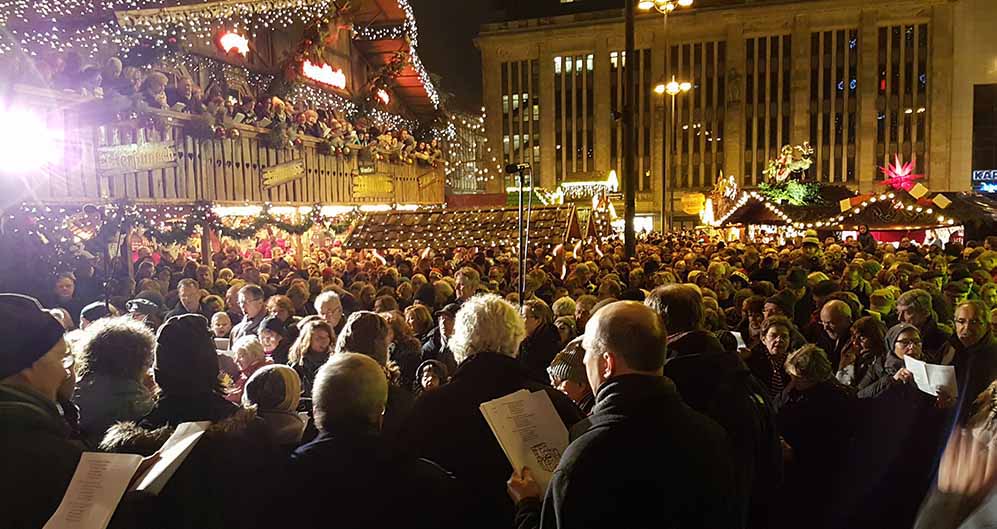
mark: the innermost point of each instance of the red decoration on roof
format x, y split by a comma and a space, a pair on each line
900, 175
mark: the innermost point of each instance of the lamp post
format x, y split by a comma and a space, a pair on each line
665, 7
672, 88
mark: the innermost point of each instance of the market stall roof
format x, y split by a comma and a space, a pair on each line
462, 228
754, 209
385, 27
841, 209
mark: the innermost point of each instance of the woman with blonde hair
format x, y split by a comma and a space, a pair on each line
310, 351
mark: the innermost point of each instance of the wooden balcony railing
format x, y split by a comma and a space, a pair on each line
145, 163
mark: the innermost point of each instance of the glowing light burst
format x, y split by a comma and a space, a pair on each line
30, 146
383, 96
234, 41
900, 175
324, 74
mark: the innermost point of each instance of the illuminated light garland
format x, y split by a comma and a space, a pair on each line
233, 41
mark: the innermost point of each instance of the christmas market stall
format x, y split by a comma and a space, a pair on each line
288, 102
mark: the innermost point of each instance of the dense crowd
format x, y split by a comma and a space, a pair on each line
160, 89
705, 384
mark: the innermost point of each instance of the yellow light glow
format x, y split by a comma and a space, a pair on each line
234, 41
324, 74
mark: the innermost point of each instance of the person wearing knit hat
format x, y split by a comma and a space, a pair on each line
275, 390
39, 458
782, 303
186, 371
273, 336
96, 311
430, 374
567, 374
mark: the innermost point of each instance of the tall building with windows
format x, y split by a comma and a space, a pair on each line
861, 81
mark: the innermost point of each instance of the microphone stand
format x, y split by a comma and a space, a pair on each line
522, 239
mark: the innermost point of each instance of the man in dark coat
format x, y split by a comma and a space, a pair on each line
253, 305
719, 385
915, 307
189, 293
835, 334
446, 425
975, 358
39, 459
646, 459
350, 474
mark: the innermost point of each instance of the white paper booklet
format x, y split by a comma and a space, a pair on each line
933, 379
529, 430
101, 480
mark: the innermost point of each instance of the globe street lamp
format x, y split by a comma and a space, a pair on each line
672, 88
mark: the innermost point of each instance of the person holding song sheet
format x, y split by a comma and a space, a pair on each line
39, 459
446, 424
646, 458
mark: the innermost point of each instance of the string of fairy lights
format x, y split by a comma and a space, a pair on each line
467, 149
895, 202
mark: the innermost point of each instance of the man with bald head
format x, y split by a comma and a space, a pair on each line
646, 459
835, 334
348, 474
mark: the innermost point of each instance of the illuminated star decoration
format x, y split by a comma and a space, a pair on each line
900, 175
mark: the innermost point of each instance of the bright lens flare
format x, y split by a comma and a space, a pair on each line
234, 41
30, 145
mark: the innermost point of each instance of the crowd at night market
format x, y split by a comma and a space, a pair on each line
752, 384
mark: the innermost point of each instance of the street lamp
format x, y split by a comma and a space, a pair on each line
672, 88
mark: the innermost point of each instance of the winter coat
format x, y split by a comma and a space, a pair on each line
878, 376
538, 350
172, 409
446, 426
886, 484
247, 326
935, 340
105, 400
762, 366
356, 479
817, 424
975, 368
307, 368
228, 480
38, 459
645, 460
719, 385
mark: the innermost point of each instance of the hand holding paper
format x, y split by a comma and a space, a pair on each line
933, 379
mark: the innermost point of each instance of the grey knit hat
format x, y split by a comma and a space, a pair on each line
568, 364
894, 333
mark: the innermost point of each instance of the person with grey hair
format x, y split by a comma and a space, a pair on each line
330, 308
487, 333
915, 307
350, 472
645, 458
816, 419
542, 341
835, 335
975, 352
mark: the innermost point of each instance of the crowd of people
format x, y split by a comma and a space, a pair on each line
162, 89
754, 384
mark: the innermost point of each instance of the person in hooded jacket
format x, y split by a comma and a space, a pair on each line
718, 384
275, 390
907, 428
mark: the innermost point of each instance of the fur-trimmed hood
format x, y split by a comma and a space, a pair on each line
129, 437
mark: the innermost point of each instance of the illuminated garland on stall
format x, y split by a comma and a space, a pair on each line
173, 224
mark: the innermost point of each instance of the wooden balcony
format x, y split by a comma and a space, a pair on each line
99, 164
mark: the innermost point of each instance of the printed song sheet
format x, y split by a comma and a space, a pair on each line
932, 379
529, 430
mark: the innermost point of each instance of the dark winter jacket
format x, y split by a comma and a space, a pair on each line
719, 385
446, 426
357, 480
975, 368
38, 459
228, 480
538, 350
646, 460
173, 409
108, 399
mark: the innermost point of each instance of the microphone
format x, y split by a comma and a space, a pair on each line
516, 167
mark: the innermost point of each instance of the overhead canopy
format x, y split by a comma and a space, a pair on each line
839, 208
462, 228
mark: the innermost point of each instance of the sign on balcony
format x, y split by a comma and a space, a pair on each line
379, 187
276, 175
134, 157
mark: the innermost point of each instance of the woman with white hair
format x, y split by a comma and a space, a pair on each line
487, 333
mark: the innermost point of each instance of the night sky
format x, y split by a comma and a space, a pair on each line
446, 31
